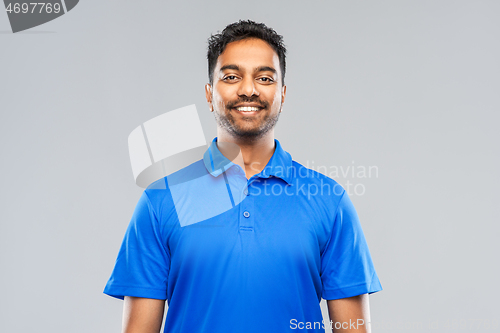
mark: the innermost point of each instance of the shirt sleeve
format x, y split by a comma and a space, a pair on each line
142, 266
346, 265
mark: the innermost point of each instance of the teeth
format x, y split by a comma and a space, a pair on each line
247, 108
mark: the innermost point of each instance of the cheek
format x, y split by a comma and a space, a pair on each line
218, 100
221, 97
277, 98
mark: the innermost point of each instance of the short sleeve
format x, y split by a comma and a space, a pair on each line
346, 265
142, 266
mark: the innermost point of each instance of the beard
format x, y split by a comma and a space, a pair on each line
229, 123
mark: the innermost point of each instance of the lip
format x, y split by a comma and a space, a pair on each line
248, 105
248, 113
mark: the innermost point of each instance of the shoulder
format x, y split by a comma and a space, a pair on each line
159, 192
327, 187
316, 191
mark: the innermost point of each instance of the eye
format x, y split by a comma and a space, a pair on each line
266, 79
230, 78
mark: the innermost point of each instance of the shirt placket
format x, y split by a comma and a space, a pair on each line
247, 209
241, 198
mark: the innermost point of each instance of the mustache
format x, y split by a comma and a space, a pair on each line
232, 104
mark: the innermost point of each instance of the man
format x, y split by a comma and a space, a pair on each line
245, 239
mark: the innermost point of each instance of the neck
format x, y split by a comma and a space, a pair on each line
251, 155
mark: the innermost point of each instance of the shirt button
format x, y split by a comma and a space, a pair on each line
245, 191
246, 214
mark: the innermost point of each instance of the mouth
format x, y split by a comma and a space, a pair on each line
248, 110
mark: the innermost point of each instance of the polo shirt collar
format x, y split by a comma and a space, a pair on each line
280, 164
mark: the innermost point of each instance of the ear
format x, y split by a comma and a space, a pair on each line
283, 94
208, 95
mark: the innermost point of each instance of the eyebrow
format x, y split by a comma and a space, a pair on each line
256, 70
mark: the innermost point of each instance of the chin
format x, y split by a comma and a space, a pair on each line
249, 133
246, 133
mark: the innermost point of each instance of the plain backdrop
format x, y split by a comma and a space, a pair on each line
409, 88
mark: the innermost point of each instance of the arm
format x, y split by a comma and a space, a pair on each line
142, 315
351, 314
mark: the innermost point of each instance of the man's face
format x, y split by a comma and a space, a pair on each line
247, 93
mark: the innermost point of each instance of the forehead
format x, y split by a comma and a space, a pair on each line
248, 53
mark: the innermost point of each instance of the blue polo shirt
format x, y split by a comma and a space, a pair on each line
231, 254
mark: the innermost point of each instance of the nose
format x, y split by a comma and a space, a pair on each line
247, 87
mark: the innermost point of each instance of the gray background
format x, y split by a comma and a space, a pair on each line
408, 86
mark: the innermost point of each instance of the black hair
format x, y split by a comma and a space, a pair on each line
241, 30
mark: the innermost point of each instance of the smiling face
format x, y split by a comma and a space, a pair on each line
247, 94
